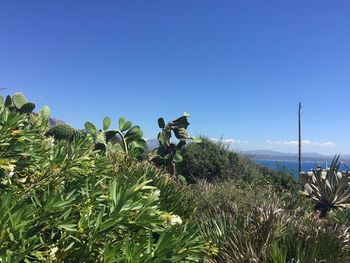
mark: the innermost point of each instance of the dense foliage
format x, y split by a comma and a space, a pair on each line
94, 195
213, 161
62, 200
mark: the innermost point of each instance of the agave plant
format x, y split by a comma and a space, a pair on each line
329, 188
308, 239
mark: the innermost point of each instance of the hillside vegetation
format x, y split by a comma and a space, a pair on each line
97, 195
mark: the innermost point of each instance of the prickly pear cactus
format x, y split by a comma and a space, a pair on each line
168, 152
128, 137
18, 103
27, 107
18, 100
8, 101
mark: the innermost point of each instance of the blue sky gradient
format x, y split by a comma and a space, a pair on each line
238, 67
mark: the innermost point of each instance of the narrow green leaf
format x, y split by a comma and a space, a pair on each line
196, 139
68, 227
106, 123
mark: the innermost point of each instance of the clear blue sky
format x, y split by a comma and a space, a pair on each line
238, 67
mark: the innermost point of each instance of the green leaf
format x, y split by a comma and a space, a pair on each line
149, 242
182, 178
113, 191
134, 133
139, 144
167, 157
181, 144
178, 158
18, 100
11, 237
90, 128
121, 123
68, 227
161, 139
100, 143
161, 123
126, 126
196, 139
181, 122
109, 134
27, 107
45, 112
106, 123
8, 101
161, 150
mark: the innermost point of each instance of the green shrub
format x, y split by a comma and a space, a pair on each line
250, 224
62, 201
213, 161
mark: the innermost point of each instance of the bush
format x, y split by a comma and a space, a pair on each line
213, 161
62, 201
251, 223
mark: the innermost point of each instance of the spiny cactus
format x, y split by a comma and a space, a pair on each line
128, 137
168, 152
27, 107
18, 102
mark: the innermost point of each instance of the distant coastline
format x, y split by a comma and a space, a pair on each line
291, 157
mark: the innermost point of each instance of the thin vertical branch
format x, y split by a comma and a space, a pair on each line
299, 148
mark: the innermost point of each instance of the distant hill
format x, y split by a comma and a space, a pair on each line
276, 153
281, 156
54, 121
267, 153
152, 144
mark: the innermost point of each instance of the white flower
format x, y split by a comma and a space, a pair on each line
11, 169
53, 251
171, 219
157, 194
175, 220
50, 141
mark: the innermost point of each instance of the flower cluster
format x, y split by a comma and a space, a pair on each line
171, 219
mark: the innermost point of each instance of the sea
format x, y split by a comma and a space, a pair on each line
291, 167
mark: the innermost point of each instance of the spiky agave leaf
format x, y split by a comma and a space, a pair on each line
329, 188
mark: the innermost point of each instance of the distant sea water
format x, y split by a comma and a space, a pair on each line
289, 166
